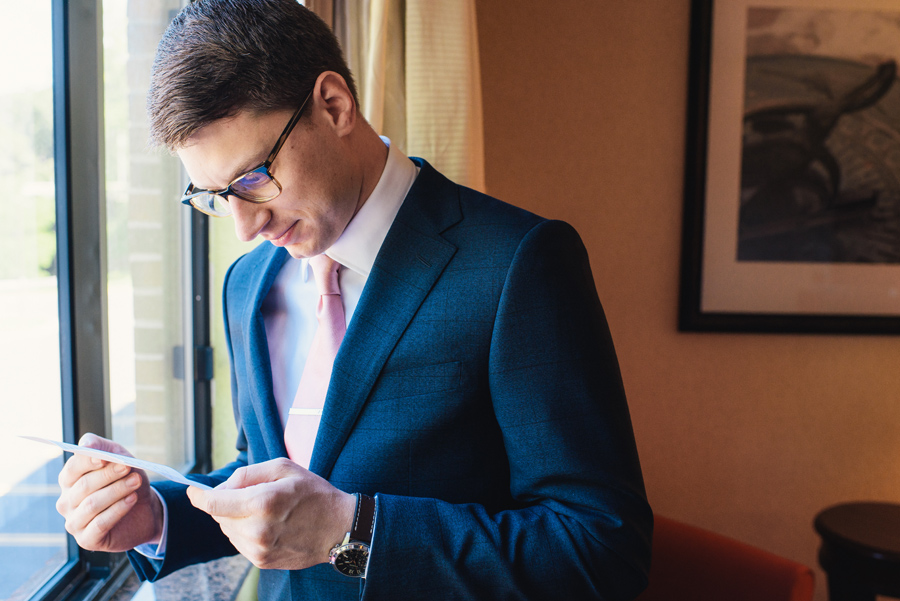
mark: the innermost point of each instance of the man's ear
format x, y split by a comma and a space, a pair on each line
332, 98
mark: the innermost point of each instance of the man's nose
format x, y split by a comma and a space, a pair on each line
249, 218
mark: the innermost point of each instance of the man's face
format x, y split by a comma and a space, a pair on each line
320, 184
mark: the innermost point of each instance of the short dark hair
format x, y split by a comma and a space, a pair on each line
218, 57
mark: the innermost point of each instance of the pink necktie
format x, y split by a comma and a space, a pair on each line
306, 412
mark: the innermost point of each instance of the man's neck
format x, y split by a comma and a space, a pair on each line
373, 153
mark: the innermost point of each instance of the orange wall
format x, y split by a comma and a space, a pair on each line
748, 435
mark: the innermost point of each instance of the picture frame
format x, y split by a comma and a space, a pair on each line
792, 174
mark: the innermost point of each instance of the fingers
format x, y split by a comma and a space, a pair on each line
92, 510
76, 467
99, 528
96, 494
79, 465
80, 478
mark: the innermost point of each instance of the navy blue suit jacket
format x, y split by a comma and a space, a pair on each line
476, 393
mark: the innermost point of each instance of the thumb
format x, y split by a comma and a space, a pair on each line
218, 504
261, 473
92, 441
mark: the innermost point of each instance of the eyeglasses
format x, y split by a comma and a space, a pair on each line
257, 185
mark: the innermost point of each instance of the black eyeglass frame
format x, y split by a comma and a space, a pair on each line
191, 193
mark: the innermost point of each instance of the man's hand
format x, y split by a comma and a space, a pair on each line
108, 506
279, 515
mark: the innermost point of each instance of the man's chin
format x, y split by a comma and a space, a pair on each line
302, 251
296, 252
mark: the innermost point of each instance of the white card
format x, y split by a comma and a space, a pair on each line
163, 470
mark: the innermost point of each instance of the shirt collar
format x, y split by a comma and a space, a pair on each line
361, 240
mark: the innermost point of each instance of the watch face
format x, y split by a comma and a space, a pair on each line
351, 559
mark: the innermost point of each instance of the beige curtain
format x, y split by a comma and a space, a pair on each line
417, 69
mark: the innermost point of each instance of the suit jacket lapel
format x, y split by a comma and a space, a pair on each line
410, 261
267, 262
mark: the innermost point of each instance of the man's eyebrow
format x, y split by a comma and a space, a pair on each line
245, 168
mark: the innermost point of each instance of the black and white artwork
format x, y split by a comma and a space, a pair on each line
792, 172
820, 151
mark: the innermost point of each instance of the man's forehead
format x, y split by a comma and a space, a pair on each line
219, 152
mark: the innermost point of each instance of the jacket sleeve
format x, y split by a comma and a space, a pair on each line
581, 526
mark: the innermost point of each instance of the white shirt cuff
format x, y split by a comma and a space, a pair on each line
147, 549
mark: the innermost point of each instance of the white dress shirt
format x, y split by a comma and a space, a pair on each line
289, 309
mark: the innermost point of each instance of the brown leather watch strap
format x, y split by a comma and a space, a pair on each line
364, 521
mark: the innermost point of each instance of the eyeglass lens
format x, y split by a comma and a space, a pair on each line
255, 186
211, 204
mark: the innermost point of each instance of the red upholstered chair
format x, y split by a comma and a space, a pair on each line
692, 564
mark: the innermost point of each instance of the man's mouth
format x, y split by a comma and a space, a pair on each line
285, 237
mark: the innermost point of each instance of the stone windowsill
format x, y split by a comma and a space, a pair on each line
218, 580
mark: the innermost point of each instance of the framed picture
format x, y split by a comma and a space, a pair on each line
792, 187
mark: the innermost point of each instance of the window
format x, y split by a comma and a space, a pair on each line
144, 229
32, 537
103, 278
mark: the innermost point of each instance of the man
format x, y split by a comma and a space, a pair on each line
475, 393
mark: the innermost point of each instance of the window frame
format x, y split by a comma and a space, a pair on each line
78, 137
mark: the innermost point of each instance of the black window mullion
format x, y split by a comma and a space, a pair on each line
81, 224
72, 574
201, 341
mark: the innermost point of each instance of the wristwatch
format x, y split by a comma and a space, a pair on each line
351, 557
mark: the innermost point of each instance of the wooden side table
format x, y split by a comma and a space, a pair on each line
860, 550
